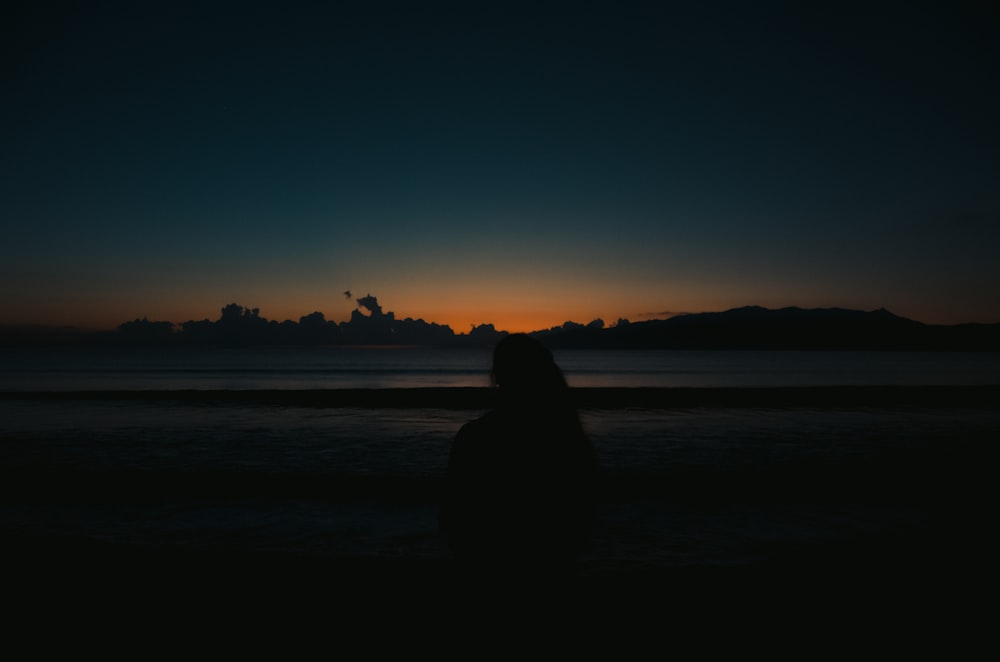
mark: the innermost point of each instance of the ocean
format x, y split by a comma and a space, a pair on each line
708, 458
178, 368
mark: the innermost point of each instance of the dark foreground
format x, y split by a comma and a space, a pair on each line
920, 588
923, 577
838, 599
929, 564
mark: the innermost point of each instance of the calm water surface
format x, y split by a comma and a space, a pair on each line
69, 369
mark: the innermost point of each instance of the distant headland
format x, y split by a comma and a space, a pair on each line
750, 327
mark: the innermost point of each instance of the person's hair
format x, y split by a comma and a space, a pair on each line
523, 365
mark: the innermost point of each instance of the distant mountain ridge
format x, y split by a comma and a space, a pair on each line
749, 327
754, 327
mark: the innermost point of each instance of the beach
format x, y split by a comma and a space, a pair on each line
874, 492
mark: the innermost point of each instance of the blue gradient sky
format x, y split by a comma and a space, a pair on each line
520, 164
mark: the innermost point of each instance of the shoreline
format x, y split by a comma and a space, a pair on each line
986, 396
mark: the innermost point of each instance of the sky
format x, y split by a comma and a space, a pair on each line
521, 164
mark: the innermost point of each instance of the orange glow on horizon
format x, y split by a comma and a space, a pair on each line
460, 308
514, 320
461, 321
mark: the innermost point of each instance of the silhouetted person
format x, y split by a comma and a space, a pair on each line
519, 491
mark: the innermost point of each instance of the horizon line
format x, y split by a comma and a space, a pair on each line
662, 316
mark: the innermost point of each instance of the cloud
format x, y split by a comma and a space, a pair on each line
371, 304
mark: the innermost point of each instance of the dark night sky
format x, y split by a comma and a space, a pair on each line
521, 164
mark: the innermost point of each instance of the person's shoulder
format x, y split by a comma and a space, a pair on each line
490, 428
481, 425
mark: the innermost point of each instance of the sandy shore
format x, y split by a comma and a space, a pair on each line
817, 601
916, 576
928, 512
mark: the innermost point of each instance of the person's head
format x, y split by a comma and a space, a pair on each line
523, 365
